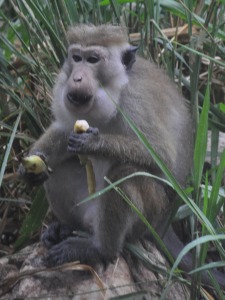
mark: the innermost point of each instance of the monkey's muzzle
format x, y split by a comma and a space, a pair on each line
78, 98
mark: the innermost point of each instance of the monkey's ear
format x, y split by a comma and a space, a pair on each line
128, 57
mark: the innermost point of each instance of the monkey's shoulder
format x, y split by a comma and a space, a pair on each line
145, 68
151, 83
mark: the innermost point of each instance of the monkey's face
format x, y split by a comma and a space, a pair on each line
82, 71
91, 81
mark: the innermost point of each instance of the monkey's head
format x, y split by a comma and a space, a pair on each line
94, 73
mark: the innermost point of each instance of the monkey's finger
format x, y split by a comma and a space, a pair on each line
76, 142
74, 148
93, 130
32, 179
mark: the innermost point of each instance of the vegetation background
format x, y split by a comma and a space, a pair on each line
187, 38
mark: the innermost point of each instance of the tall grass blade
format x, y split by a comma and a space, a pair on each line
201, 144
9, 146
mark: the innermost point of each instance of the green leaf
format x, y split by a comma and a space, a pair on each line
9, 146
222, 107
213, 208
201, 144
191, 245
34, 218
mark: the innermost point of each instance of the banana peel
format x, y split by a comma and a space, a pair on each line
81, 126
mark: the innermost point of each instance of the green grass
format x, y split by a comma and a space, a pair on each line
33, 45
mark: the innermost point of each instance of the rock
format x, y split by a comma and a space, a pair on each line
118, 278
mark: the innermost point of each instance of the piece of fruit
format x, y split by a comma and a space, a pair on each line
81, 126
34, 164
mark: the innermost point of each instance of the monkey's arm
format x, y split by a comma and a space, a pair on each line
52, 149
119, 147
52, 145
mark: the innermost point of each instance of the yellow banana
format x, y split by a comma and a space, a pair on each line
81, 126
34, 164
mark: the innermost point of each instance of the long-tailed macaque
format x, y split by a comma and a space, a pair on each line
100, 74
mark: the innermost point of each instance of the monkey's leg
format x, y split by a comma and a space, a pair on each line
111, 225
114, 222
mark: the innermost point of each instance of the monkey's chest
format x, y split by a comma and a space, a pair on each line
67, 186
101, 169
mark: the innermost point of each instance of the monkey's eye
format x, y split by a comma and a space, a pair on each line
77, 58
93, 59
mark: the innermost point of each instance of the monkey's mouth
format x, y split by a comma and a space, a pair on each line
78, 99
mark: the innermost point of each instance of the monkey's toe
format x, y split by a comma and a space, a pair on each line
55, 234
55, 256
61, 253
73, 249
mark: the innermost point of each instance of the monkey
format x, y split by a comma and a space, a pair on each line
101, 76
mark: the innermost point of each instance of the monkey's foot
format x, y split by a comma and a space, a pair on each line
55, 234
72, 249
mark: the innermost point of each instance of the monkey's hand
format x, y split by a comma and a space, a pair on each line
34, 170
83, 143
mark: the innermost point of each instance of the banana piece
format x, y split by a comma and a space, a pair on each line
81, 126
34, 164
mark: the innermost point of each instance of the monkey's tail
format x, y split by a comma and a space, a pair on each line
174, 246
